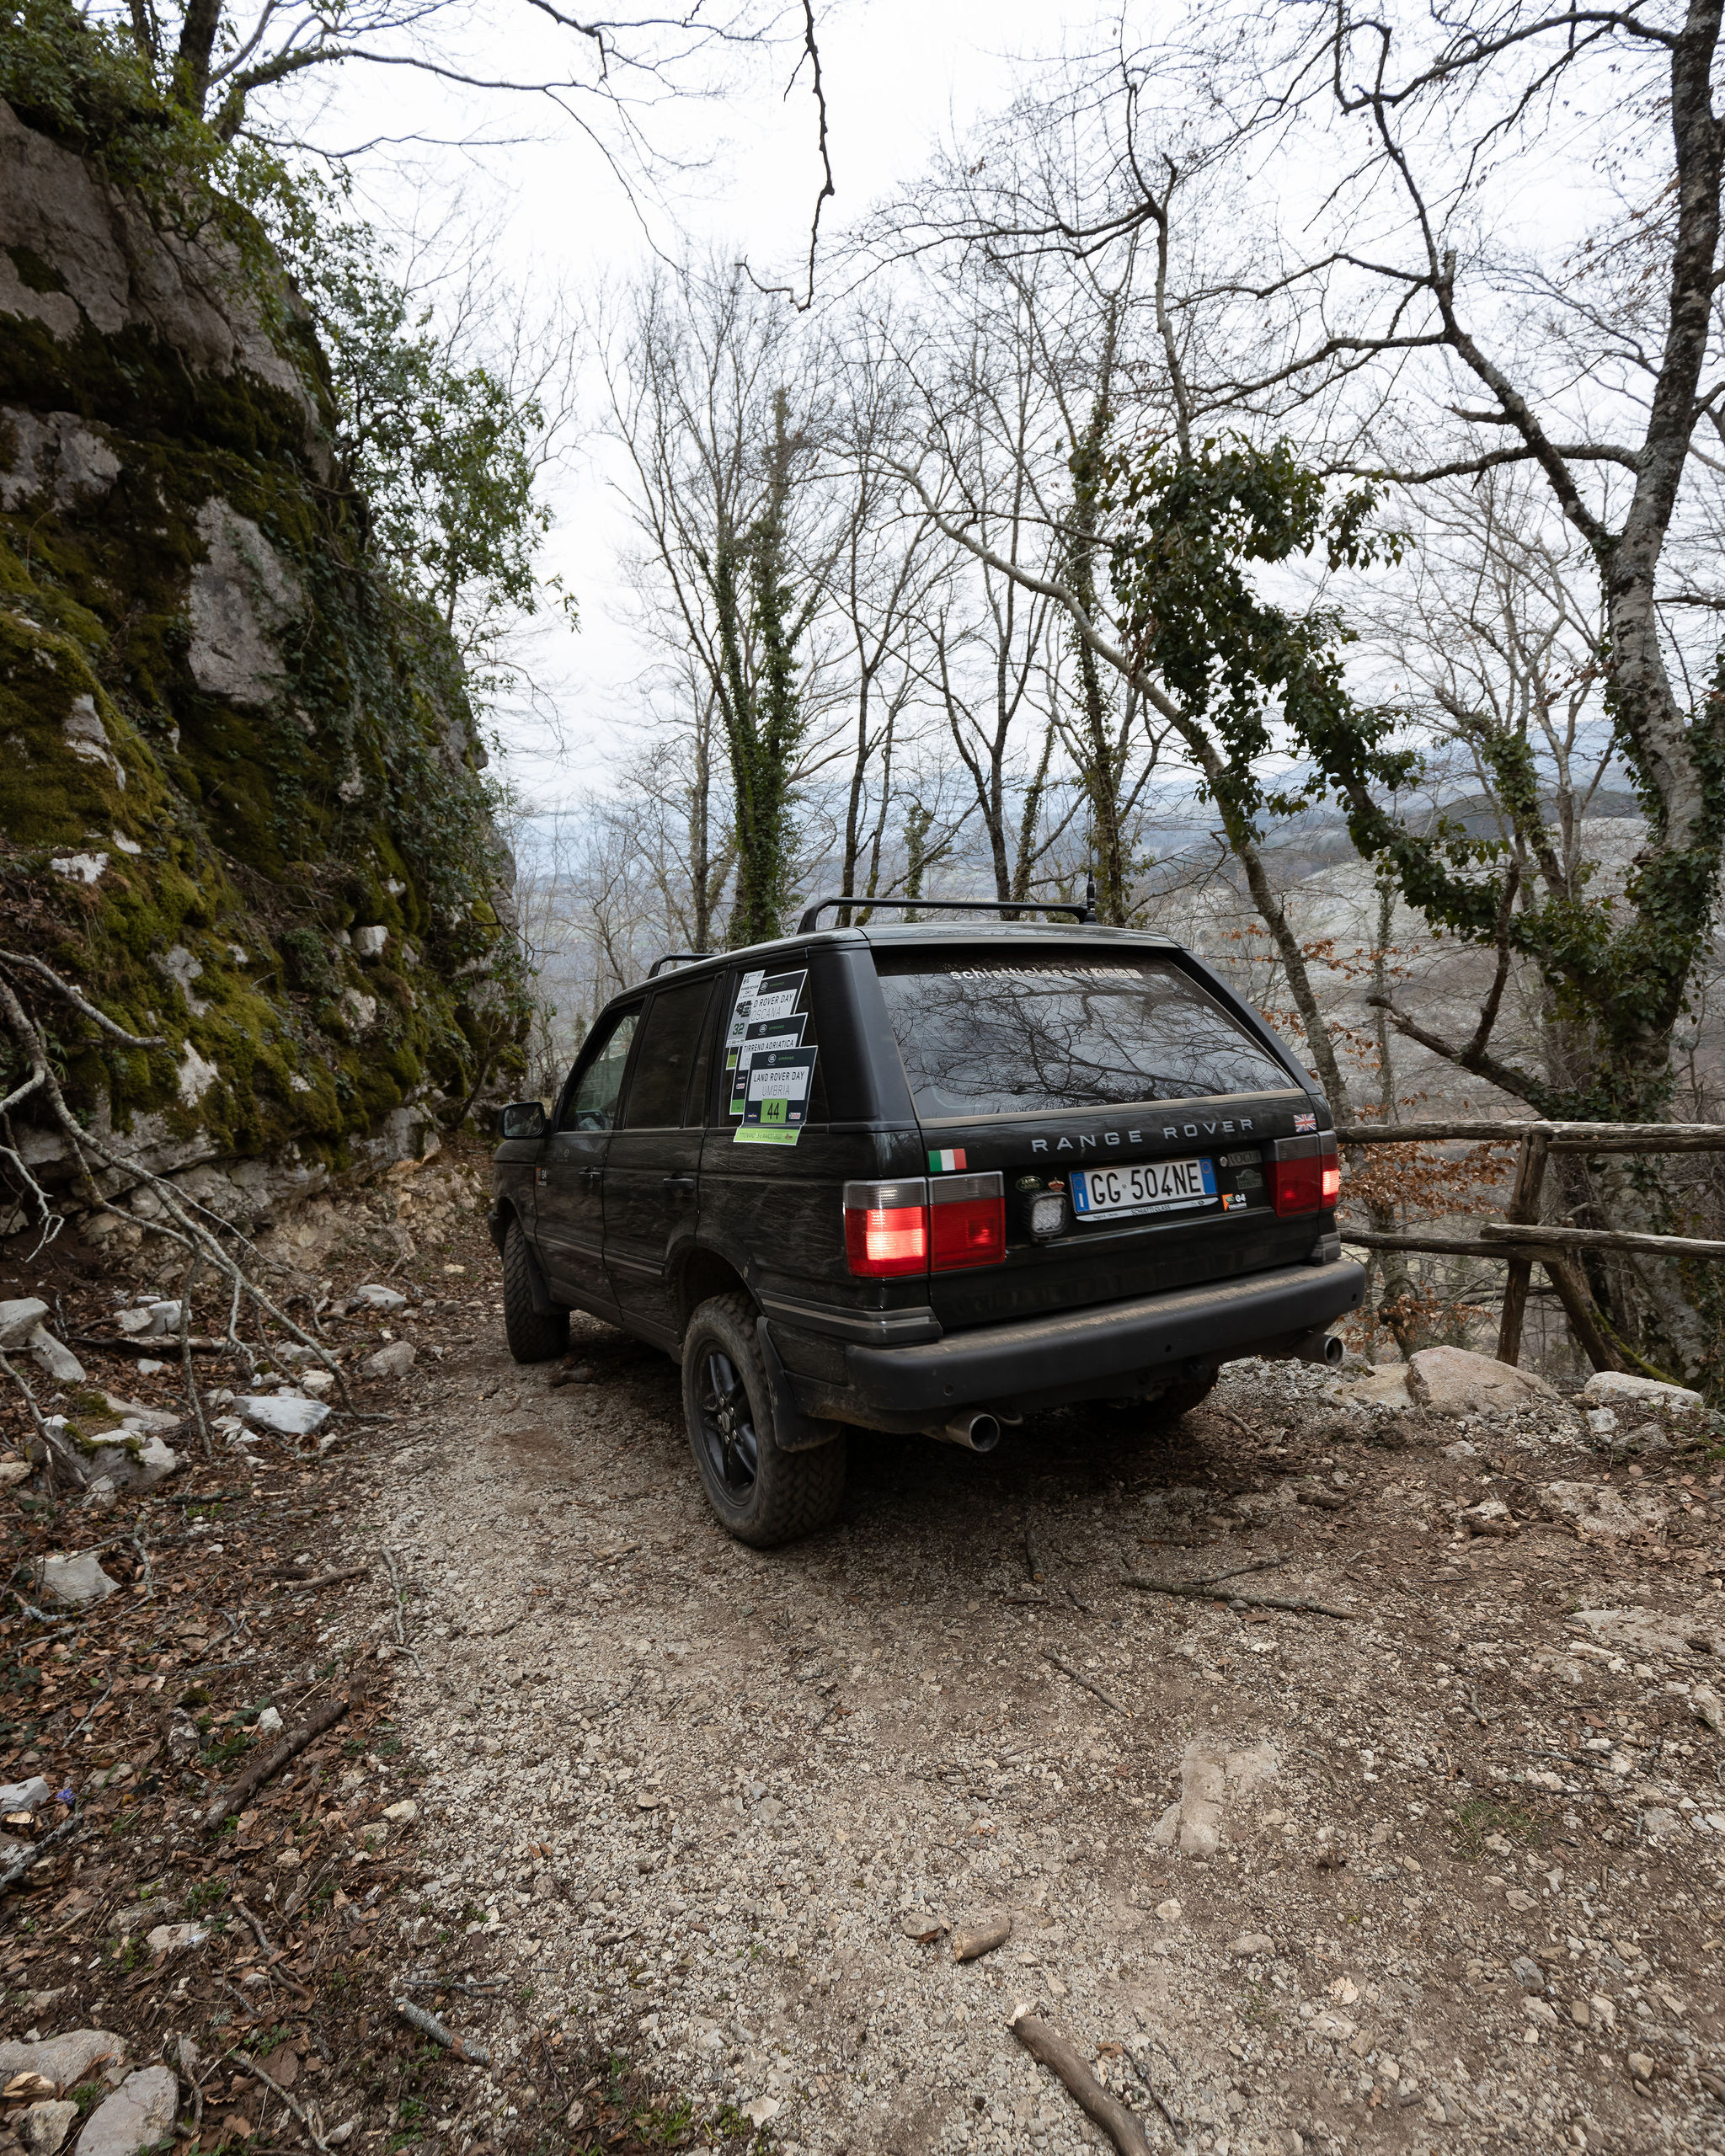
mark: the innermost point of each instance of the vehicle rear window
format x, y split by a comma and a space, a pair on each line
986, 1036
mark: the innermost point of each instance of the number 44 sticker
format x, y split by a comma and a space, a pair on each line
777, 1102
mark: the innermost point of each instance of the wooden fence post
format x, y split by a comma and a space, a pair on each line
1523, 1208
1579, 1308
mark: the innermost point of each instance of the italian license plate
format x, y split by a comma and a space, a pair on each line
1152, 1187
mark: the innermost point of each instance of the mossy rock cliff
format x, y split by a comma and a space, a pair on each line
241, 800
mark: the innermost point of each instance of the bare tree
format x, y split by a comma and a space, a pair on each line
1417, 343
994, 659
215, 59
882, 580
719, 401
1165, 403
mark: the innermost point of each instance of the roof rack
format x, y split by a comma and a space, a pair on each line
676, 958
1082, 914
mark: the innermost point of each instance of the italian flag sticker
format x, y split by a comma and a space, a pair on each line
942, 1163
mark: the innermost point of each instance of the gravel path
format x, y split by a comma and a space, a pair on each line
719, 1809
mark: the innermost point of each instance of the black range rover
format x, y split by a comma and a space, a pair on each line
921, 1178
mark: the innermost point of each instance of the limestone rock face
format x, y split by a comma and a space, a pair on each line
243, 595
56, 454
226, 749
115, 276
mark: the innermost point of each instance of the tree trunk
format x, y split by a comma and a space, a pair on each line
191, 65
763, 715
1101, 765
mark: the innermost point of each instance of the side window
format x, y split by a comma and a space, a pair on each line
592, 1106
763, 1012
671, 1040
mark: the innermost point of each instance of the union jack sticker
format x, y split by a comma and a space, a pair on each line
1303, 1122
944, 1163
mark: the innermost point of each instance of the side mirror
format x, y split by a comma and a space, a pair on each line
522, 1119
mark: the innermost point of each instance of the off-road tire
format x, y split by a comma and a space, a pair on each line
533, 1336
788, 1494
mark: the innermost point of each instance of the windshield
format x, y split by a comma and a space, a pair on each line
981, 1036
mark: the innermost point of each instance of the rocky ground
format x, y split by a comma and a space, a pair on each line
684, 1835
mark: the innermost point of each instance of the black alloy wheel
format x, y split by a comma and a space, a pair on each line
761, 1494
727, 1425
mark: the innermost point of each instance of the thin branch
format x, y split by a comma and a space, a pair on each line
81, 1002
811, 52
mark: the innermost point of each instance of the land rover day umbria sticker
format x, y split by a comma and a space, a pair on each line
777, 1105
760, 1035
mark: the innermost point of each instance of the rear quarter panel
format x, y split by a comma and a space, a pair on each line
776, 1213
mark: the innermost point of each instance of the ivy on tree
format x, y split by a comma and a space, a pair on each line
760, 628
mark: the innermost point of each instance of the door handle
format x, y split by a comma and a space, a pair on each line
592, 1177
682, 1184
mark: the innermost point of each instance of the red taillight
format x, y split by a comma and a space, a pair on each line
1305, 1174
968, 1221
914, 1225
886, 1227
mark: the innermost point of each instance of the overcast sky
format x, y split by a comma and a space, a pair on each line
900, 74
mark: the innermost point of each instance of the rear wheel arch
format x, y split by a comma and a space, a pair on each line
702, 1275
761, 1494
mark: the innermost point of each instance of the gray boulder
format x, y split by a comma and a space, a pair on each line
171, 1938
134, 1412
23, 1797
128, 1459
55, 1358
285, 1413
1599, 1513
394, 1361
1454, 1381
18, 1321
374, 1297
1620, 1389
45, 2126
63, 2060
137, 2114
75, 1578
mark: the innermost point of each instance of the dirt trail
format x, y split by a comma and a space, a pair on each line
1444, 1872
649, 1815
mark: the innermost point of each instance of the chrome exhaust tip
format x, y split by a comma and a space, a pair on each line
980, 1432
1325, 1347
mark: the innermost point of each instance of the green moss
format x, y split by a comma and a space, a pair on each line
226, 835
33, 274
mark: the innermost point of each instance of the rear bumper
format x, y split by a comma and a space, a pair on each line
1121, 1348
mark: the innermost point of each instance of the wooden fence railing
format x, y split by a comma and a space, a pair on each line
1520, 1239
